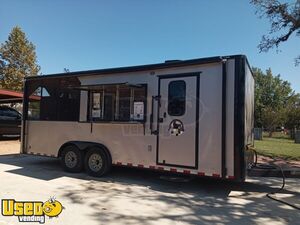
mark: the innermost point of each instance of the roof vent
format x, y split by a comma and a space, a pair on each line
173, 61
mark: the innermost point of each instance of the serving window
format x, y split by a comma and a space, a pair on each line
119, 102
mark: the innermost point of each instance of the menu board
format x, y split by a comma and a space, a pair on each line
138, 110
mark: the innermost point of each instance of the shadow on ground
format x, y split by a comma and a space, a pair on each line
133, 196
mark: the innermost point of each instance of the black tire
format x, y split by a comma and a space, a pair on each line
97, 162
72, 159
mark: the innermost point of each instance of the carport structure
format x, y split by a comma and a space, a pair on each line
8, 96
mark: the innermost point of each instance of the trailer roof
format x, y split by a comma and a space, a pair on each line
167, 64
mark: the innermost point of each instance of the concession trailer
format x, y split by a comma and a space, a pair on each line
183, 116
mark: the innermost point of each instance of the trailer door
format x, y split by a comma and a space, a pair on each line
177, 143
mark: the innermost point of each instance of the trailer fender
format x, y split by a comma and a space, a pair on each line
84, 146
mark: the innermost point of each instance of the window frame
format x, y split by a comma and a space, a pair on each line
90, 106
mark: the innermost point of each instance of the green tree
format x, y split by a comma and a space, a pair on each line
17, 60
273, 97
293, 114
285, 21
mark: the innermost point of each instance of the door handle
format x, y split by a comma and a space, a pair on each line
154, 98
165, 114
151, 116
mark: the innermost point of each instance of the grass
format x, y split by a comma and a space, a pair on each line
279, 146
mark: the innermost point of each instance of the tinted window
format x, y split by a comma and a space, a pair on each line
176, 98
2, 114
9, 114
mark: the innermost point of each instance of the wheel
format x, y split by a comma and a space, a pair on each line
72, 159
97, 162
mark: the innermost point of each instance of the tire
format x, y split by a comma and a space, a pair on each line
97, 162
72, 159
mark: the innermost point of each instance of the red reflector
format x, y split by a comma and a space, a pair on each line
216, 175
160, 168
152, 167
119, 163
231, 177
129, 164
173, 170
186, 171
140, 165
201, 174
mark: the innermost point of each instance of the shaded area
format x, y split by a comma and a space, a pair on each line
132, 196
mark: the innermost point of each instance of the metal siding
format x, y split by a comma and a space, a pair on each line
128, 142
249, 106
83, 106
230, 118
210, 141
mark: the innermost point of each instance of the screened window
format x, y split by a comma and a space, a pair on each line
55, 99
176, 98
118, 103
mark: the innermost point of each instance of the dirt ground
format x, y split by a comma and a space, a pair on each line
9, 146
293, 164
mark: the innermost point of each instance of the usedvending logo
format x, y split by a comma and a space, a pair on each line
31, 211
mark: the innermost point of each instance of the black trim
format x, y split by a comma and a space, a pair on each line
169, 76
224, 90
197, 121
157, 122
239, 119
25, 115
157, 66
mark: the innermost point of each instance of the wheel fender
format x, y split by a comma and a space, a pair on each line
84, 146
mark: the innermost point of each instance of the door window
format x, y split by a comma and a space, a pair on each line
176, 98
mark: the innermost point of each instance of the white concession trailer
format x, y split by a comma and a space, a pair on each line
183, 116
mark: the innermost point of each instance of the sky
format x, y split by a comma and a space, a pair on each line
96, 34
